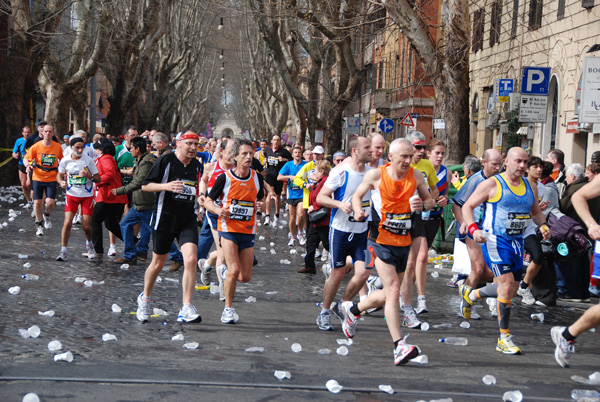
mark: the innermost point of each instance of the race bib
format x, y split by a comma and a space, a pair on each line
241, 210
76, 180
188, 193
517, 223
48, 160
366, 206
293, 186
273, 161
398, 224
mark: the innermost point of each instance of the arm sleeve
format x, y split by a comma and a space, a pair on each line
218, 187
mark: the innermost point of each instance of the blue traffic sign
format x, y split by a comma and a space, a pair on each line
535, 81
386, 125
505, 87
415, 115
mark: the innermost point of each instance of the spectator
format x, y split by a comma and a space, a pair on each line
557, 158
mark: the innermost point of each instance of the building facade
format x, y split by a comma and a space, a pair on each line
508, 35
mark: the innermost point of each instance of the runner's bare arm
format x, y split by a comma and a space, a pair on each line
369, 181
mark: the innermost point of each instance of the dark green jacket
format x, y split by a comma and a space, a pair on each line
142, 200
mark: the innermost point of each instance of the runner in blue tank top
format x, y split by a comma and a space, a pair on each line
510, 205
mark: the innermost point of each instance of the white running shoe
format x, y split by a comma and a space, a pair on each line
39, 231
229, 316
28, 205
188, 313
325, 255
204, 272
491, 302
274, 222
144, 308
91, 253
301, 239
564, 348
318, 254
404, 353
292, 240
474, 314
411, 320
76, 219
267, 220
324, 321
350, 320
62, 256
421, 306
47, 223
527, 296
33, 213
112, 250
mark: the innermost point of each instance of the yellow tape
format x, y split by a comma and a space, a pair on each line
6, 161
6, 149
202, 287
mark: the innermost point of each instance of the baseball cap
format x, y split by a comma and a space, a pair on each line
318, 150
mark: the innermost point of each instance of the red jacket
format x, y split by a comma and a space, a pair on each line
313, 201
110, 178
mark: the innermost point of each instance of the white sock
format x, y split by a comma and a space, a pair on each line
421, 297
378, 284
63, 249
472, 296
325, 310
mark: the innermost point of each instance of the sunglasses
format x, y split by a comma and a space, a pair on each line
420, 146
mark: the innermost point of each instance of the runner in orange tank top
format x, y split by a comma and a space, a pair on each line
393, 188
241, 191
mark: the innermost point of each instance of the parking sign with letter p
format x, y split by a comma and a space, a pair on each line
535, 81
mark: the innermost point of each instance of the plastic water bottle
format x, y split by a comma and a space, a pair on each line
425, 215
30, 277
578, 394
512, 396
455, 341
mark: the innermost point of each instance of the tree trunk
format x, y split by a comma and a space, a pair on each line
58, 104
79, 104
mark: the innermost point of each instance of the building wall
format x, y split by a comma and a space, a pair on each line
559, 43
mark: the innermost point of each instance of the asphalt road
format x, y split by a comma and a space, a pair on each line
145, 364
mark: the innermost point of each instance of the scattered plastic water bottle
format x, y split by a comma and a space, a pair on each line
280, 375
512, 396
489, 380
178, 337
67, 356
23, 333
324, 351
53, 346
438, 266
455, 341
425, 326
30, 277
250, 299
296, 348
333, 386
159, 311
88, 283
578, 394
80, 279
125, 266
342, 341
14, 290
285, 262
22, 230
465, 325
34, 331
445, 325
22, 256
273, 251
115, 308
108, 337
538, 316
431, 253
214, 289
263, 249
49, 313
158, 279
172, 280
387, 389
271, 244
191, 345
27, 265
342, 351
255, 349
261, 237
421, 359
271, 293
435, 274
31, 397
293, 251
441, 400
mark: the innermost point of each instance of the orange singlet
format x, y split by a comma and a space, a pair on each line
239, 197
395, 224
